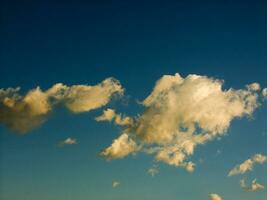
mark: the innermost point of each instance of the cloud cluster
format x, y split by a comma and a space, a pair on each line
253, 187
181, 113
248, 164
24, 113
214, 196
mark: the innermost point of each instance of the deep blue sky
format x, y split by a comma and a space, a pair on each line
136, 42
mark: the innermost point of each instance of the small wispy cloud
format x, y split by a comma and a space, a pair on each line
215, 196
115, 184
110, 114
67, 141
255, 186
153, 171
218, 152
264, 92
248, 164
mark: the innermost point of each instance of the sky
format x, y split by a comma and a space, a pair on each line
144, 100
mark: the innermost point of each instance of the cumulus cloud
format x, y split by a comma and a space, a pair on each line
120, 147
248, 164
68, 141
253, 187
214, 196
24, 113
115, 184
82, 98
180, 114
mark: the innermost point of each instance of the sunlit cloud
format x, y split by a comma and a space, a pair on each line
121, 147
264, 92
180, 114
68, 141
214, 196
255, 186
110, 114
248, 164
24, 113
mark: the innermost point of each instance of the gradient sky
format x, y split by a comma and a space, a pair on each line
136, 42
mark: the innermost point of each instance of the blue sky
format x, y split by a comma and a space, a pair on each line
136, 42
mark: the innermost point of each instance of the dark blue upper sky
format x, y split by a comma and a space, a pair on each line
78, 42
43, 43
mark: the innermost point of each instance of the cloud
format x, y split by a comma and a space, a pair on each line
264, 92
107, 115
214, 196
110, 114
180, 114
68, 141
254, 86
120, 147
153, 171
248, 164
24, 113
253, 187
190, 166
82, 98
115, 184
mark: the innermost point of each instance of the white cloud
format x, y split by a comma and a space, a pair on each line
153, 171
182, 113
120, 147
82, 98
248, 164
264, 92
110, 114
253, 187
115, 184
214, 196
68, 141
254, 86
24, 113
190, 167
107, 115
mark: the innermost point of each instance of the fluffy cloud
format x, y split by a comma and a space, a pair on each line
248, 164
82, 98
190, 167
180, 114
68, 141
107, 115
254, 86
24, 113
120, 147
253, 187
215, 197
